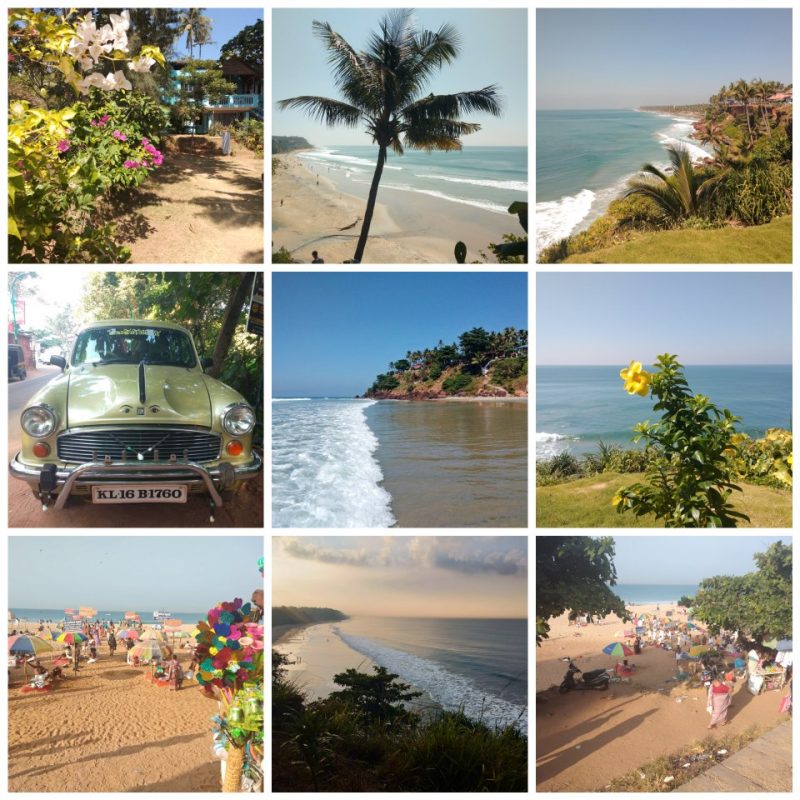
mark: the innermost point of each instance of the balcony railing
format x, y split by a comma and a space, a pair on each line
237, 101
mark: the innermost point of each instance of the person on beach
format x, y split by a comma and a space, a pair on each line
719, 701
112, 644
637, 645
315, 259
175, 674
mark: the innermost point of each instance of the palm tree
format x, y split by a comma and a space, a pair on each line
761, 91
196, 26
743, 92
678, 193
382, 86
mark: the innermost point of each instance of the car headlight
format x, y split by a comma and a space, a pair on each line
38, 421
238, 419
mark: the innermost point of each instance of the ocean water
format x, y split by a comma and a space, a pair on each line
324, 472
578, 406
640, 593
57, 614
584, 159
489, 178
479, 665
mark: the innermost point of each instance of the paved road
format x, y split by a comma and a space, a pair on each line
246, 510
765, 765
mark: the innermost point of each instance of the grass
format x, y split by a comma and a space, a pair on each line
586, 503
759, 244
650, 777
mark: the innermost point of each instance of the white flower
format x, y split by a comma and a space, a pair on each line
95, 79
117, 81
141, 64
119, 26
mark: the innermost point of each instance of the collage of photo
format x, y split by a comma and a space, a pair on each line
193, 424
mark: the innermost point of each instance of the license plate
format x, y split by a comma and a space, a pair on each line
140, 493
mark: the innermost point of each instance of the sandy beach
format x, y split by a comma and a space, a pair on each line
109, 729
315, 655
310, 211
584, 739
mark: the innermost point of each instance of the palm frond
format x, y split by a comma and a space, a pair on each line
331, 112
449, 106
433, 50
662, 194
438, 134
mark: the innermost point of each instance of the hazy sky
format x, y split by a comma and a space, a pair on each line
686, 559
622, 58
118, 573
703, 317
493, 51
332, 333
403, 576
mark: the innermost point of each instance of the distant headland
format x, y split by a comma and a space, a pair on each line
286, 144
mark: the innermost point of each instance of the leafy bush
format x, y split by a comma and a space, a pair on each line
766, 461
756, 194
63, 161
385, 383
457, 383
509, 368
690, 480
282, 256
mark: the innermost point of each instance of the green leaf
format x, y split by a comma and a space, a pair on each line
12, 228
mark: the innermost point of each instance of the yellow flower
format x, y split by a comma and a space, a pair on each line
790, 460
637, 380
616, 500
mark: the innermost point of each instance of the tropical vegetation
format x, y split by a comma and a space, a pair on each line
365, 738
747, 181
383, 87
456, 368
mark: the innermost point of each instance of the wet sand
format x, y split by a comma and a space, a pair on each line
322, 655
454, 464
324, 212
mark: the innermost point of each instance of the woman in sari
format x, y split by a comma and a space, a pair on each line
719, 701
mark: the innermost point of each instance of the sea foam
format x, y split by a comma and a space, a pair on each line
551, 444
450, 690
324, 473
556, 219
515, 186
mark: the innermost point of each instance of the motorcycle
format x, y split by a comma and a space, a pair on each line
594, 679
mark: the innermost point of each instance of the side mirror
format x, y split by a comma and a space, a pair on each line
206, 363
58, 361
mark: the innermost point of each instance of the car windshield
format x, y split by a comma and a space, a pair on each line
131, 344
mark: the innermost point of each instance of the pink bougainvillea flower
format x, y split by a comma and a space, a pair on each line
131, 164
63, 146
121, 136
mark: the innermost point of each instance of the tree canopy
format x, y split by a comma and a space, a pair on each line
758, 604
248, 45
575, 573
379, 696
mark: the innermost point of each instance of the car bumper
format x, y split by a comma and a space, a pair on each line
65, 480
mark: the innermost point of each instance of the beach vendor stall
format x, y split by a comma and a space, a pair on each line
765, 673
230, 663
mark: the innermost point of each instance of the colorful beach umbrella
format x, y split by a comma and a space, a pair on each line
173, 623
617, 649
148, 651
131, 615
128, 634
28, 644
71, 637
698, 650
152, 635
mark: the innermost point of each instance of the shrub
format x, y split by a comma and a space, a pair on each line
282, 256
507, 369
766, 461
385, 383
690, 480
457, 383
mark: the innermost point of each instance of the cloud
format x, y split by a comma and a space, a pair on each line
310, 552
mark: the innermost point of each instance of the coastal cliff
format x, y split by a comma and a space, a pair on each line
302, 615
481, 364
286, 144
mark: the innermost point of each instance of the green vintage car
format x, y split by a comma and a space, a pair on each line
133, 418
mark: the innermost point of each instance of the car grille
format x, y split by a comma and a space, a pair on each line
131, 443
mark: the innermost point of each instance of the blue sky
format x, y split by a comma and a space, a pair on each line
703, 317
686, 559
494, 46
333, 333
225, 24
119, 573
622, 58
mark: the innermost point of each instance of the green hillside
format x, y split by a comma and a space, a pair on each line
759, 244
302, 615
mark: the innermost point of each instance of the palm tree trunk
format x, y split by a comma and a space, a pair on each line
371, 198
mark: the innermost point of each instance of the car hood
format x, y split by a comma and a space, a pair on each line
110, 393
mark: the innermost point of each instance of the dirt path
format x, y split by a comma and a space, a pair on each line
198, 208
